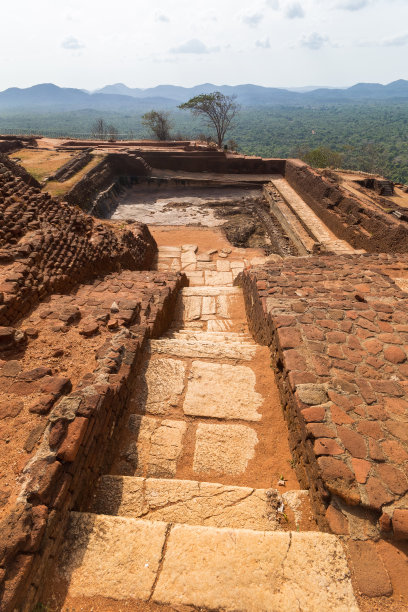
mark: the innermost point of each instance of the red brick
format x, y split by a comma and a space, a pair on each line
327, 446
370, 573
395, 480
400, 524
313, 333
293, 360
374, 450
341, 400
336, 337
373, 346
390, 338
399, 430
377, 493
75, 434
396, 406
333, 350
318, 430
370, 428
337, 521
361, 469
289, 337
395, 354
394, 451
340, 417
353, 442
314, 414
283, 321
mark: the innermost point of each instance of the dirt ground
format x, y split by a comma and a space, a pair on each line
65, 353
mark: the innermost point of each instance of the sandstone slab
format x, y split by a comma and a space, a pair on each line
128, 571
198, 503
161, 384
156, 447
222, 391
252, 570
224, 449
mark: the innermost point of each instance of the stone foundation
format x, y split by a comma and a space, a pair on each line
79, 436
337, 328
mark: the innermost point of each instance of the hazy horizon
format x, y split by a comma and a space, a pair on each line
272, 43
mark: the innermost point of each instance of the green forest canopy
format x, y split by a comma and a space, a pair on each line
370, 137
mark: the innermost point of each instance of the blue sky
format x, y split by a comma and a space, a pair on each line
278, 43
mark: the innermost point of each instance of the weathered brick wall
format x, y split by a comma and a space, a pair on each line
338, 332
362, 226
47, 246
72, 166
79, 440
108, 171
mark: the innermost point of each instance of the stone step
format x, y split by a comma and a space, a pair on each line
229, 569
187, 347
207, 291
202, 503
210, 336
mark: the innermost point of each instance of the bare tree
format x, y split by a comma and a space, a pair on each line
112, 132
159, 123
98, 129
219, 110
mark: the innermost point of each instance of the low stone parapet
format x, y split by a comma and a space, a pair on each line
81, 426
338, 332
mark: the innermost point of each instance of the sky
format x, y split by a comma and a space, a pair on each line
143, 43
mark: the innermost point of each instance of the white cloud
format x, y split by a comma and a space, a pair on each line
273, 4
353, 5
294, 10
263, 44
72, 43
314, 41
195, 46
397, 41
162, 18
252, 20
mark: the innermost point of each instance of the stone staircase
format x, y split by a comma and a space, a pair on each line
202, 509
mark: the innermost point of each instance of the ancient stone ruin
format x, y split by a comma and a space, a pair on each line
203, 381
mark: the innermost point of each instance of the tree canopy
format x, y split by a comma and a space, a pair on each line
159, 123
218, 109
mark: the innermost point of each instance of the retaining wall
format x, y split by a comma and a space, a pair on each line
337, 328
364, 227
78, 442
47, 246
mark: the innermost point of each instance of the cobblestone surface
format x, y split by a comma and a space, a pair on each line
339, 328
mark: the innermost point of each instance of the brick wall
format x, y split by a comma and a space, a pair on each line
78, 443
337, 328
364, 227
47, 246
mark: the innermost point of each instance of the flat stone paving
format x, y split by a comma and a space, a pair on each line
227, 569
203, 431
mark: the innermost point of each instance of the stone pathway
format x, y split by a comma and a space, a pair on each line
311, 221
202, 507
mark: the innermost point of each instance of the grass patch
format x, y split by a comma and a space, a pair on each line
57, 189
41, 163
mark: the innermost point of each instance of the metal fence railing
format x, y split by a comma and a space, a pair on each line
24, 132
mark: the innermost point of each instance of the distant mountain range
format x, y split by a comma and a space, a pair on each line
120, 98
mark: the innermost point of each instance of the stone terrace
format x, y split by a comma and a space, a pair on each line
47, 246
338, 327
